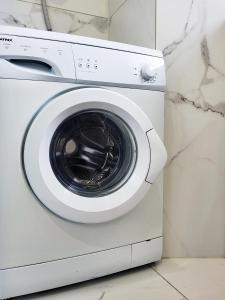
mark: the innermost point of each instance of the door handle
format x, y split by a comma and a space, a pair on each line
158, 155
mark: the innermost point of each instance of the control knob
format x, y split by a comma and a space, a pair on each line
147, 73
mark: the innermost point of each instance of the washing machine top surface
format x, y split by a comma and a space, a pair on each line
71, 38
40, 55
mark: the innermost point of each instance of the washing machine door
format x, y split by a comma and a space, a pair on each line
87, 155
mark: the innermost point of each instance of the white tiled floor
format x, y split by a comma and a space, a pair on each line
172, 279
197, 279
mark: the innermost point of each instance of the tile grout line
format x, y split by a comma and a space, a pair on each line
68, 10
169, 283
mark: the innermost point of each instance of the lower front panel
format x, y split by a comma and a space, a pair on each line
44, 276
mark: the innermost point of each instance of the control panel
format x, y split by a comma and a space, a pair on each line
39, 59
120, 67
37, 56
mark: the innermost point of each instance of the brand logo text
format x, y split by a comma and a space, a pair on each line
5, 39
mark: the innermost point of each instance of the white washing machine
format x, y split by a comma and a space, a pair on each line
81, 150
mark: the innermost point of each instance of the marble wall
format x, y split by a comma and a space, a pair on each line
87, 18
132, 22
191, 34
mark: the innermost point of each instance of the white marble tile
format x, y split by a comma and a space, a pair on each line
142, 283
90, 7
19, 13
134, 23
197, 279
114, 5
194, 185
192, 40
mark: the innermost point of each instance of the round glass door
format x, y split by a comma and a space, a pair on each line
87, 155
93, 153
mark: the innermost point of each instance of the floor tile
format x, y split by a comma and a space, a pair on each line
197, 279
141, 283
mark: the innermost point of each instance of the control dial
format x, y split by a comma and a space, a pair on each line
147, 73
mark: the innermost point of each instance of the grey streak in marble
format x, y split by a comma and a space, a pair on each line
102, 296
172, 46
176, 155
98, 8
205, 51
26, 14
178, 98
194, 126
207, 62
101, 24
9, 19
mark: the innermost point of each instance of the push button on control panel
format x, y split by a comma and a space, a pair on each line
87, 64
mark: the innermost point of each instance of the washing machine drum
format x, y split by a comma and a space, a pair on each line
93, 153
90, 155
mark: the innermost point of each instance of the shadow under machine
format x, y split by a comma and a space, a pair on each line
81, 148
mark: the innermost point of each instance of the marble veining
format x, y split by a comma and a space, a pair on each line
99, 23
102, 295
178, 98
90, 7
9, 19
176, 155
172, 46
192, 41
199, 101
28, 14
206, 59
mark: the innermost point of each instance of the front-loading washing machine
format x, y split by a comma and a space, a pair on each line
81, 151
